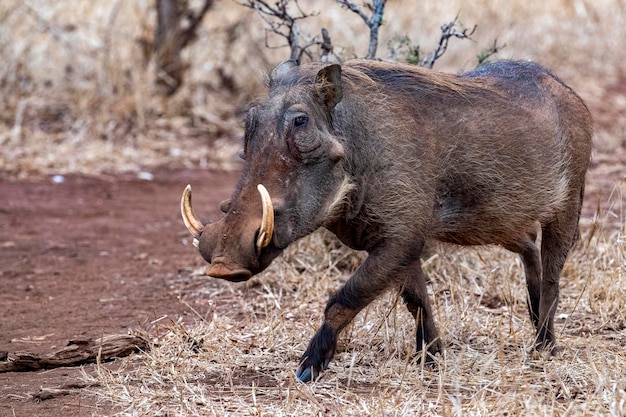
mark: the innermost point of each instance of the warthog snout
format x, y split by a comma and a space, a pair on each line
233, 248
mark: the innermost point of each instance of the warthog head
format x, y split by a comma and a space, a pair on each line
291, 180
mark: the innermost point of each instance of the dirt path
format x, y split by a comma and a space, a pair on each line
86, 258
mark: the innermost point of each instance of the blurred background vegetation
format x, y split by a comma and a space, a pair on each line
82, 85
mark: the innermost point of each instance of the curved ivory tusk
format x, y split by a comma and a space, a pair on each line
192, 223
267, 223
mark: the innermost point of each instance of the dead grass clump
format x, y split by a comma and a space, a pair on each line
240, 357
77, 95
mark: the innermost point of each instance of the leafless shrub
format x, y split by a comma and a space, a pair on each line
401, 47
448, 31
485, 54
284, 23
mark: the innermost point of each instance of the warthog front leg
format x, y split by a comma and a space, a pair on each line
377, 273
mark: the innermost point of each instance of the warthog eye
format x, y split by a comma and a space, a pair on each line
300, 121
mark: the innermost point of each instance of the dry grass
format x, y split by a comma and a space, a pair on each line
240, 357
76, 96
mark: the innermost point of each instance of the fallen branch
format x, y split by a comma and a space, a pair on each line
77, 352
61, 391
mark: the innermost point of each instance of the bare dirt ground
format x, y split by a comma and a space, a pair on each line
95, 256
87, 258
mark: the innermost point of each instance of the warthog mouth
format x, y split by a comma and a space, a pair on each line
218, 269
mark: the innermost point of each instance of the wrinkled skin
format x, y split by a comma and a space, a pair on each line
389, 156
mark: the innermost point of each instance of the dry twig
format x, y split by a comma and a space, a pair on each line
449, 30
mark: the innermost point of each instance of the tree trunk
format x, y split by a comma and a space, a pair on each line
170, 39
168, 46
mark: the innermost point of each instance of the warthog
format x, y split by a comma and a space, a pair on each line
388, 156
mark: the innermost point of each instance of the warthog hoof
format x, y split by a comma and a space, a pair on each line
311, 373
317, 356
545, 350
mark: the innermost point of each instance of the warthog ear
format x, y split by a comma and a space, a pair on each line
328, 86
282, 70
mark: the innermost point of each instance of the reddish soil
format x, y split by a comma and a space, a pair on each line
86, 258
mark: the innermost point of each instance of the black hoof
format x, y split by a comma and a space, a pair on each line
304, 374
317, 356
427, 359
311, 373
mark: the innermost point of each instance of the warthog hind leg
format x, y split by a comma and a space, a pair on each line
528, 251
415, 296
557, 238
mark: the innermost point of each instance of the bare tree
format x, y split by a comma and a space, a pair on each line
177, 24
373, 22
284, 23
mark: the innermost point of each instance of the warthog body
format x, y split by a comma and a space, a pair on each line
389, 156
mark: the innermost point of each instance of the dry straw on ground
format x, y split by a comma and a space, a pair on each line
77, 97
239, 359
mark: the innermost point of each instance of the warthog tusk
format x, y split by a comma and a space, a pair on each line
192, 223
267, 223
